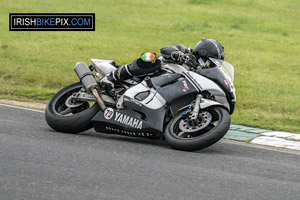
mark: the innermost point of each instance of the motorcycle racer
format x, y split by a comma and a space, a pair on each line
149, 64
185, 96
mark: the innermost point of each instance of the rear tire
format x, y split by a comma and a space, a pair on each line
207, 137
74, 122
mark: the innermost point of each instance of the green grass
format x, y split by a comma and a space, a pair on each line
261, 40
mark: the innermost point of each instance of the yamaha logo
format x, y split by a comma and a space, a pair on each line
123, 119
128, 120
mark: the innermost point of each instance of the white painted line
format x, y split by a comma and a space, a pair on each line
11, 106
276, 142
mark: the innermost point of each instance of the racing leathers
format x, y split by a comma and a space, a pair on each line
149, 64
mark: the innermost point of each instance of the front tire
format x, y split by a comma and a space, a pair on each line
192, 141
73, 121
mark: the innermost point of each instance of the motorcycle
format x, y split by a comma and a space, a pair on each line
189, 109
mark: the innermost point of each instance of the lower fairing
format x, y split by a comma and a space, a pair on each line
149, 123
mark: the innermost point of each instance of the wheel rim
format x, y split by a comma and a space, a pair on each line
184, 128
64, 106
186, 124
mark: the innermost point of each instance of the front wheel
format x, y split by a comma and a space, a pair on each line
76, 119
212, 123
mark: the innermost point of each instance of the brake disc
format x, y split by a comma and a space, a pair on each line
188, 125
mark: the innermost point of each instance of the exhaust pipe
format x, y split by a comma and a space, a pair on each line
86, 77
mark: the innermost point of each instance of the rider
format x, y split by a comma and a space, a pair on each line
148, 63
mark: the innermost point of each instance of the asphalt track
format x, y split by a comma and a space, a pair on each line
39, 163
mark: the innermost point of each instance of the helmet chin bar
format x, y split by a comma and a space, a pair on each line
201, 62
205, 64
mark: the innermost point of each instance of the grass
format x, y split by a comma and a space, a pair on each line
261, 40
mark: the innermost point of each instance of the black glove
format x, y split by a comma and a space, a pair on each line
190, 60
177, 55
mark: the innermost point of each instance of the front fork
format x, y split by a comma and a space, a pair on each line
195, 112
202, 103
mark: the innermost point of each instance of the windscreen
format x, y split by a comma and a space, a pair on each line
226, 67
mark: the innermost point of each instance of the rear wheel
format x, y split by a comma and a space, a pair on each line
190, 135
64, 115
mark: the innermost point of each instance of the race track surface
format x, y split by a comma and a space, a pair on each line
38, 163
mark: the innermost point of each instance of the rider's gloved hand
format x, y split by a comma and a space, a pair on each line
177, 55
190, 60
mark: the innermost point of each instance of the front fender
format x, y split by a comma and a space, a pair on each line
204, 103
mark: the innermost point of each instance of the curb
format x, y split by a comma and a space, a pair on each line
236, 132
264, 137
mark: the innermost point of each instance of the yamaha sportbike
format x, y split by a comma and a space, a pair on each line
189, 109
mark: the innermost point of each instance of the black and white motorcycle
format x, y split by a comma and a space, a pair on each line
190, 109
